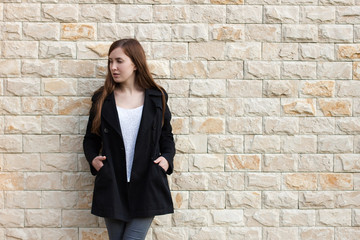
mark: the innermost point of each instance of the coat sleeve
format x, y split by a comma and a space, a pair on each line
167, 144
92, 142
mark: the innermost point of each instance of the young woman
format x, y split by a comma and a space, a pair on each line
129, 123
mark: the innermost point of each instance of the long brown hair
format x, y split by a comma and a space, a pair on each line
143, 78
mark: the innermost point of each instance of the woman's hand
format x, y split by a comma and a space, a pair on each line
162, 163
97, 162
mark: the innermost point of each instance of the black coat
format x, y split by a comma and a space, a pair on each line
147, 194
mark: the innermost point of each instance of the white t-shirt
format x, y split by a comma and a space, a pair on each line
129, 124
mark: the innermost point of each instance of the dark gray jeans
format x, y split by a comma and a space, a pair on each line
135, 229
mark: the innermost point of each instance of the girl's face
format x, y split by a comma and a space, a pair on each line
121, 67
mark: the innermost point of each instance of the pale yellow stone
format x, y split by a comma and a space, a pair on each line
175, 233
243, 51
41, 31
228, 217
280, 88
280, 233
335, 33
85, 200
225, 144
244, 14
295, 218
347, 199
300, 33
71, 143
81, 68
336, 181
22, 124
227, 1
335, 107
22, 12
263, 32
111, 31
236, 233
188, 69
225, 69
261, 106
316, 199
11, 218
244, 89
57, 199
180, 199
315, 51
356, 70
299, 144
348, 14
208, 14
283, 199
159, 68
134, 13
180, 125
244, 125
191, 143
200, 51
43, 181
335, 70
208, 88
189, 181
347, 233
51, 49
262, 144
96, 13
207, 200
225, 106
194, 218
169, 51
334, 217
228, 32
299, 107
9, 68
261, 217
207, 125
281, 14
280, 162
11, 30
226, 181
348, 88
39, 68
299, 70
20, 49
23, 233
280, 51
317, 14
206, 162
185, 107
21, 162
90, 50
316, 163
41, 143
54, 86
11, 143
262, 181
58, 233
74, 105
23, 199
262, 70
171, 13
78, 31
189, 32
23, 86
300, 181
43, 218
348, 51
60, 124
243, 162
10, 105
11, 181
348, 125
77, 181
58, 162
60, 12
153, 32
243, 199
318, 88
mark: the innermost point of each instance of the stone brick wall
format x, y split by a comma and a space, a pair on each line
265, 96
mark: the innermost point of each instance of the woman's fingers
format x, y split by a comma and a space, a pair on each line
97, 162
162, 163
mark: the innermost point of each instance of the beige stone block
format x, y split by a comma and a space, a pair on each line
280, 51
80, 68
60, 12
43, 181
200, 51
10, 30
171, 13
296, 218
77, 181
21, 162
189, 69
22, 199
17, 49
207, 233
317, 14
23, 233
189, 181
226, 181
180, 125
9, 68
78, 31
207, 200
244, 125
161, 221
208, 14
208, 88
207, 125
74, 105
191, 143
225, 106
206, 162
298, 107
316, 199
262, 107
96, 13
263, 32
244, 89
43, 218
58, 162
335, 144
75, 218
11, 143
39, 105
41, 143
22, 86
227, 32
244, 14
355, 218
243, 51
169, 51
356, 70
283, 125
176, 88
86, 87
299, 144
334, 217
280, 162
71, 143
280, 233
262, 70
153, 32
335, 33
235, 233
279, 200
348, 125
39, 68
316, 163
84, 200
300, 181
10, 218
227, 2
90, 50
50, 49
59, 86
111, 31
300, 33
243, 199
22, 124
336, 2
22, 12
243, 162
60, 125
357, 144
225, 144
227, 217
175, 233
11, 181
334, 70
348, 14
188, 106
280, 88
347, 200
281, 14
181, 199
189, 32
93, 233
299, 70
59, 233
336, 181
225, 69
194, 218
57, 199
134, 13
159, 68
261, 217
318, 88
348, 88
335, 107
2, 201
41, 31
347, 163
347, 233
181, 162
262, 144
348, 51
262, 181
315, 51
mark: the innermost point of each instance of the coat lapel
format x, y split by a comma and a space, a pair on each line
109, 113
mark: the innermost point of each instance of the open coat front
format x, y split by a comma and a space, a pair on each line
147, 193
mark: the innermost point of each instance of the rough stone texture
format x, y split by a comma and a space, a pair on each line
265, 103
